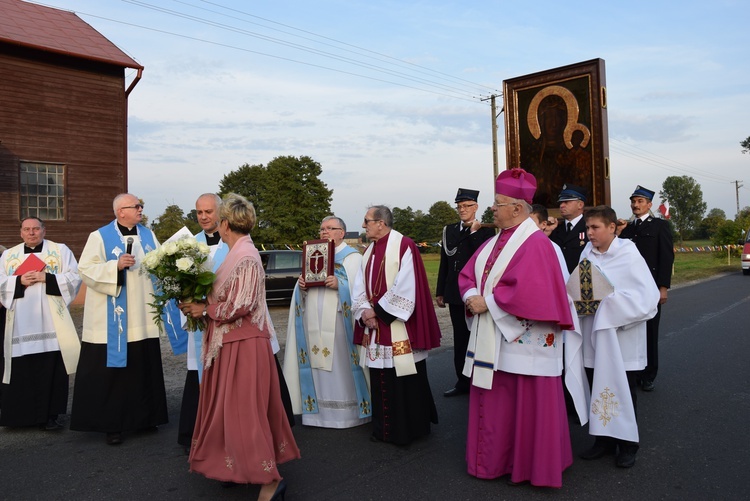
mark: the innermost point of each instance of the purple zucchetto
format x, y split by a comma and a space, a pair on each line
516, 183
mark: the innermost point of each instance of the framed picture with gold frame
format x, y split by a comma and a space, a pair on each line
556, 128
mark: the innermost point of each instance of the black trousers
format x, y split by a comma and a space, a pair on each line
652, 347
461, 335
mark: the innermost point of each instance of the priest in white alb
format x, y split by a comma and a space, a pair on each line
396, 327
119, 385
326, 383
38, 281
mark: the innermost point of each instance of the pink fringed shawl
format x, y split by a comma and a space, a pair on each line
238, 296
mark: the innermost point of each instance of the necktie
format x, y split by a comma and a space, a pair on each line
638, 222
570, 226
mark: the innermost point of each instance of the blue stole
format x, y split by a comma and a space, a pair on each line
307, 386
117, 308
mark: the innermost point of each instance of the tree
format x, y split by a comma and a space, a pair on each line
727, 233
290, 199
707, 227
686, 205
745, 145
440, 215
488, 216
170, 222
404, 221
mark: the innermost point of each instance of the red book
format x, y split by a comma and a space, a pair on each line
32, 263
317, 261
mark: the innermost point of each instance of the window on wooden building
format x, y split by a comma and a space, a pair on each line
42, 190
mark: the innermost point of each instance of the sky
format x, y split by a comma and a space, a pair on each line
390, 97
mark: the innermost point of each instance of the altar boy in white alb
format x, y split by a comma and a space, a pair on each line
614, 334
38, 281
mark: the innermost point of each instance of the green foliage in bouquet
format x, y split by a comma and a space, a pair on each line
181, 271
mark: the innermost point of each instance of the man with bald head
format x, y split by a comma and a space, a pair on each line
119, 383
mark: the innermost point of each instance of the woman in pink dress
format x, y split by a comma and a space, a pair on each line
241, 432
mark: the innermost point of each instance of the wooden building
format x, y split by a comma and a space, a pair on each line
63, 123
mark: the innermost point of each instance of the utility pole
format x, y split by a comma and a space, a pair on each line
493, 108
737, 187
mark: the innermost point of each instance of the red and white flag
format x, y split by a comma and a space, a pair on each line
664, 209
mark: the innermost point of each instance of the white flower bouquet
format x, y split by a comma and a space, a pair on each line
181, 271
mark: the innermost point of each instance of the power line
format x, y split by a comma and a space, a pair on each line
293, 45
243, 49
665, 163
380, 56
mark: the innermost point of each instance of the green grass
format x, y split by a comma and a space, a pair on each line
688, 266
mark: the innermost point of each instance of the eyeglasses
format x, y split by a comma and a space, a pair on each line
465, 206
504, 204
329, 229
136, 207
367, 221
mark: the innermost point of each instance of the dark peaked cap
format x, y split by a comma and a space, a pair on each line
640, 191
464, 195
572, 192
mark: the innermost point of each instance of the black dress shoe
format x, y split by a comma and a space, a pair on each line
454, 392
599, 450
647, 385
114, 438
626, 456
52, 425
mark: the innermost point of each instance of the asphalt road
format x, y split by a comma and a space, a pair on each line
694, 436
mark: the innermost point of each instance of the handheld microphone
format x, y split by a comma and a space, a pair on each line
129, 249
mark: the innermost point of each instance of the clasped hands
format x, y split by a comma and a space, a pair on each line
476, 305
33, 277
369, 318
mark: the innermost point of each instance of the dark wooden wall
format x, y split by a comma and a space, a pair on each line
64, 110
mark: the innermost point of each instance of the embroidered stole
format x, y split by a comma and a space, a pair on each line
612, 412
323, 359
480, 355
117, 308
65, 330
403, 358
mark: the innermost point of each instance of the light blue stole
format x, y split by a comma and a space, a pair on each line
307, 386
221, 252
117, 307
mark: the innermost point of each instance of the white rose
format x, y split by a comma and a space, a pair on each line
151, 260
186, 242
184, 263
204, 249
169, 248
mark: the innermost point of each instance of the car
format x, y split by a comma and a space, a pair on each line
746, 255
283, 268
